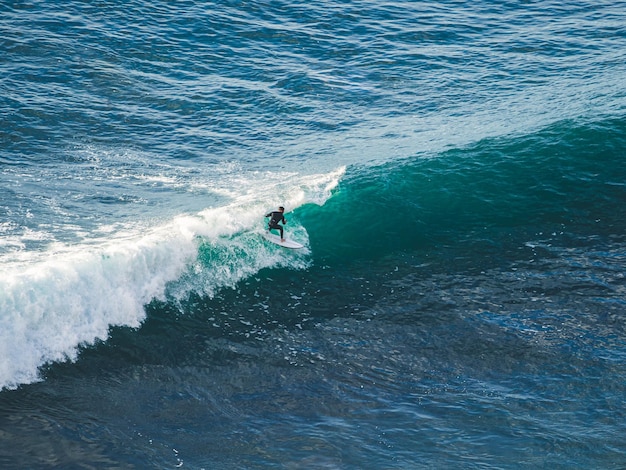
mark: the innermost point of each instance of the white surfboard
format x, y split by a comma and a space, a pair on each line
276, 239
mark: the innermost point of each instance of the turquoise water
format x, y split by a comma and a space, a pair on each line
455, 172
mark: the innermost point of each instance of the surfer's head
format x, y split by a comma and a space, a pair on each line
281, 208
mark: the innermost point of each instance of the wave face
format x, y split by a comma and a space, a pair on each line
454, 170
561, 183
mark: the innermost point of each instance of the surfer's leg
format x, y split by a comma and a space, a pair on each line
279, 228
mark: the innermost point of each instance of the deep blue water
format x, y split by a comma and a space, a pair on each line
455, 171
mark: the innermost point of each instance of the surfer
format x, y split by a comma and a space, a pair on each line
277, 216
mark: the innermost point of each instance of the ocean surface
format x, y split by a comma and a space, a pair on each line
456, 172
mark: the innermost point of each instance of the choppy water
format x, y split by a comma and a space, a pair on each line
454, 169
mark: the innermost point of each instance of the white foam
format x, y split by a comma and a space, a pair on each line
52, 302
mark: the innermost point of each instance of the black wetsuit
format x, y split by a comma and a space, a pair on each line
276, 217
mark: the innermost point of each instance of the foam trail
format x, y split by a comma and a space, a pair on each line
51, 306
